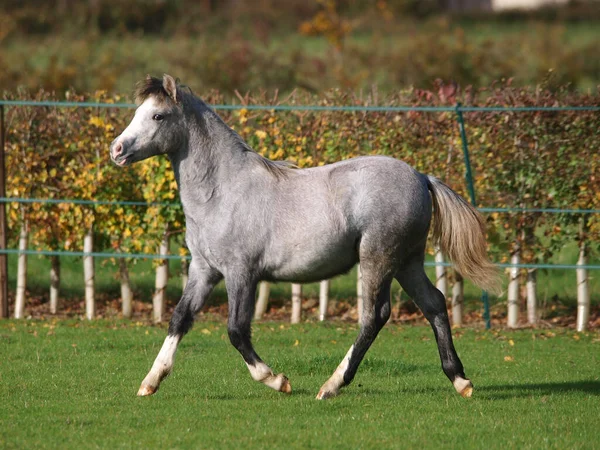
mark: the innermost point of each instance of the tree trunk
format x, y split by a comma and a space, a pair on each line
458, 299
264, 289
441, 279
21, 274
160, 286
583, 290
88, 275
359, 293
54, 283
513, 290
126, 294
323, 299
296, 302
531, 296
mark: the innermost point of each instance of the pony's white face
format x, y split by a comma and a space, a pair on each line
157, 128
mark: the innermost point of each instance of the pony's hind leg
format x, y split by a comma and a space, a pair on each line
375, 314
241, 295
200, 284
431, 301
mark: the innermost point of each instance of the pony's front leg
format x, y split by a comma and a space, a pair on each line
163, 364
241, 309
200, 285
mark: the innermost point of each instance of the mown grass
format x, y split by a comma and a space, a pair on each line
72, 385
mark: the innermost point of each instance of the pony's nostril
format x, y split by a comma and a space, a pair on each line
118, 149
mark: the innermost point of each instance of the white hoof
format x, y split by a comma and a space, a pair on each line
146, 390
325, 393
286, 387
463, 387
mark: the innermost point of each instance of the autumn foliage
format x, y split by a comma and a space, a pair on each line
520, 159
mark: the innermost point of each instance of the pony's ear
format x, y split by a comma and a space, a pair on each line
170, 86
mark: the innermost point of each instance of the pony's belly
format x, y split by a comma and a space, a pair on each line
305, 267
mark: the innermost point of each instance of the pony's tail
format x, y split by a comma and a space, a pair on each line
459, 230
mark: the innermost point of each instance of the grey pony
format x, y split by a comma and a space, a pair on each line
251, 219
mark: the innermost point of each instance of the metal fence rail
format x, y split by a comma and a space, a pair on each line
457, 109
76, 201
16, 251
316, 108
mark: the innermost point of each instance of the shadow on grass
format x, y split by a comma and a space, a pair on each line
491, 392
325, 365
265, 394
538, 389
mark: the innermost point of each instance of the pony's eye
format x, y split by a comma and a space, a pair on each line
158, 117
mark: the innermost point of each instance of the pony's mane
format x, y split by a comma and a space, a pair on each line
151, 87
279, 169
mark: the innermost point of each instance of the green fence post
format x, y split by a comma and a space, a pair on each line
3, 257
471, 188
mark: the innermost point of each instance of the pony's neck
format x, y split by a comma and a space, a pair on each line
212, 155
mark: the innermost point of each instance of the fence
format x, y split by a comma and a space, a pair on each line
458, 110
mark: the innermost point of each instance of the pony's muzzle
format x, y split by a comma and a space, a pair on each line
116, 149
118, 153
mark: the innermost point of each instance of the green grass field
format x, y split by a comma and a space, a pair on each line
88, 62
72, 385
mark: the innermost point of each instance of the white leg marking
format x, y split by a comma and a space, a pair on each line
163, 364
331, 388
463, 387
263, 373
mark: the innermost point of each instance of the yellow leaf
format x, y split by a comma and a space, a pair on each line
96, 121
509, 358
511, 342
296, 343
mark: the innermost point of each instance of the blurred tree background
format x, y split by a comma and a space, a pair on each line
308, 52
312, 45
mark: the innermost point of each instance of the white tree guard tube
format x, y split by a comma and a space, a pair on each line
513, 291
21, 275
583, 291
126, 293
323, 299
532, 312
441, 277
160, 285
458, 298
184, 272
296, 303
359, 293
54, 283
88, 276
264, 289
